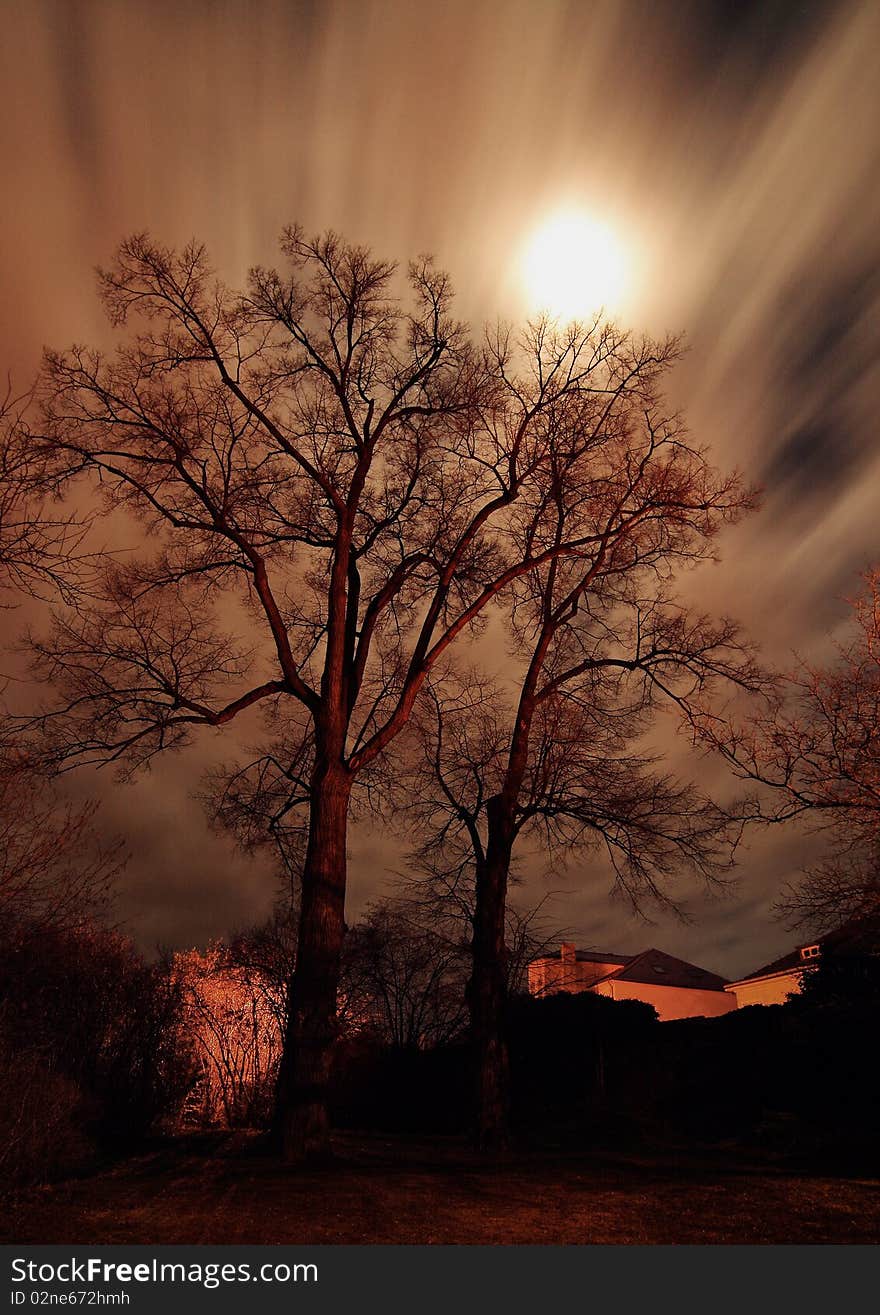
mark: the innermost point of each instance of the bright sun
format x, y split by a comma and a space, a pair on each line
574, 265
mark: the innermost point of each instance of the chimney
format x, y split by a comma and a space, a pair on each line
568, 952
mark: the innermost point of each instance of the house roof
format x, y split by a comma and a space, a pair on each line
656, 968
788, 963
588, 956
856, 934
651, 966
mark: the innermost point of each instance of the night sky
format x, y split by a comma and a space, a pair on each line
732, 148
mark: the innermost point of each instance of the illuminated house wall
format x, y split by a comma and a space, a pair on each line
775, 982
671, 1001
675, 988
571, 970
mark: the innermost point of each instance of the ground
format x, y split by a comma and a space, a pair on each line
226, 1189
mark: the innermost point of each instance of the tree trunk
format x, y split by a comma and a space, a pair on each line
487, 989
302, 1118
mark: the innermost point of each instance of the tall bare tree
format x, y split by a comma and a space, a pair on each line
340, 473
565, 761
598, 638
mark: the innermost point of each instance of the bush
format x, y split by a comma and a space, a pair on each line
570, 1059
91, 1027
401, 1090
569, 1066
41, 1114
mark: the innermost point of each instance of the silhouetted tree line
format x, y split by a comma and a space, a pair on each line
798, 1080
100, 1050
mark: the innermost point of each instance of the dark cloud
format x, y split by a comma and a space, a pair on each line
825, 364
766, 30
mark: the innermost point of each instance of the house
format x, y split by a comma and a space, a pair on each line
776, 981
675, 988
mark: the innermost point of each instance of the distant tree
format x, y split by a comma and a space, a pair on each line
56, 868
266, 954
40, 541
846, 978
816, 755
344, 474
402, 979
232, 1016
844, 886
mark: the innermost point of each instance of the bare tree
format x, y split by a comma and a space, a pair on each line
266, 954
403, 979
41, 542
599, 639
816, 753
231, 1018
565, 764
341, 474
56, 868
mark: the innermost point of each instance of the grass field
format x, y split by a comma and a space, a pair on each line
225, 1189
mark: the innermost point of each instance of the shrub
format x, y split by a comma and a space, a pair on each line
41, 1115
82, 1008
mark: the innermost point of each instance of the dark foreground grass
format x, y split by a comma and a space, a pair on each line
405, 1190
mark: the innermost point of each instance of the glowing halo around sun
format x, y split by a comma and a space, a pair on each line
574, 265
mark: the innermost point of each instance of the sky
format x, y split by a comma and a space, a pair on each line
729, 147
